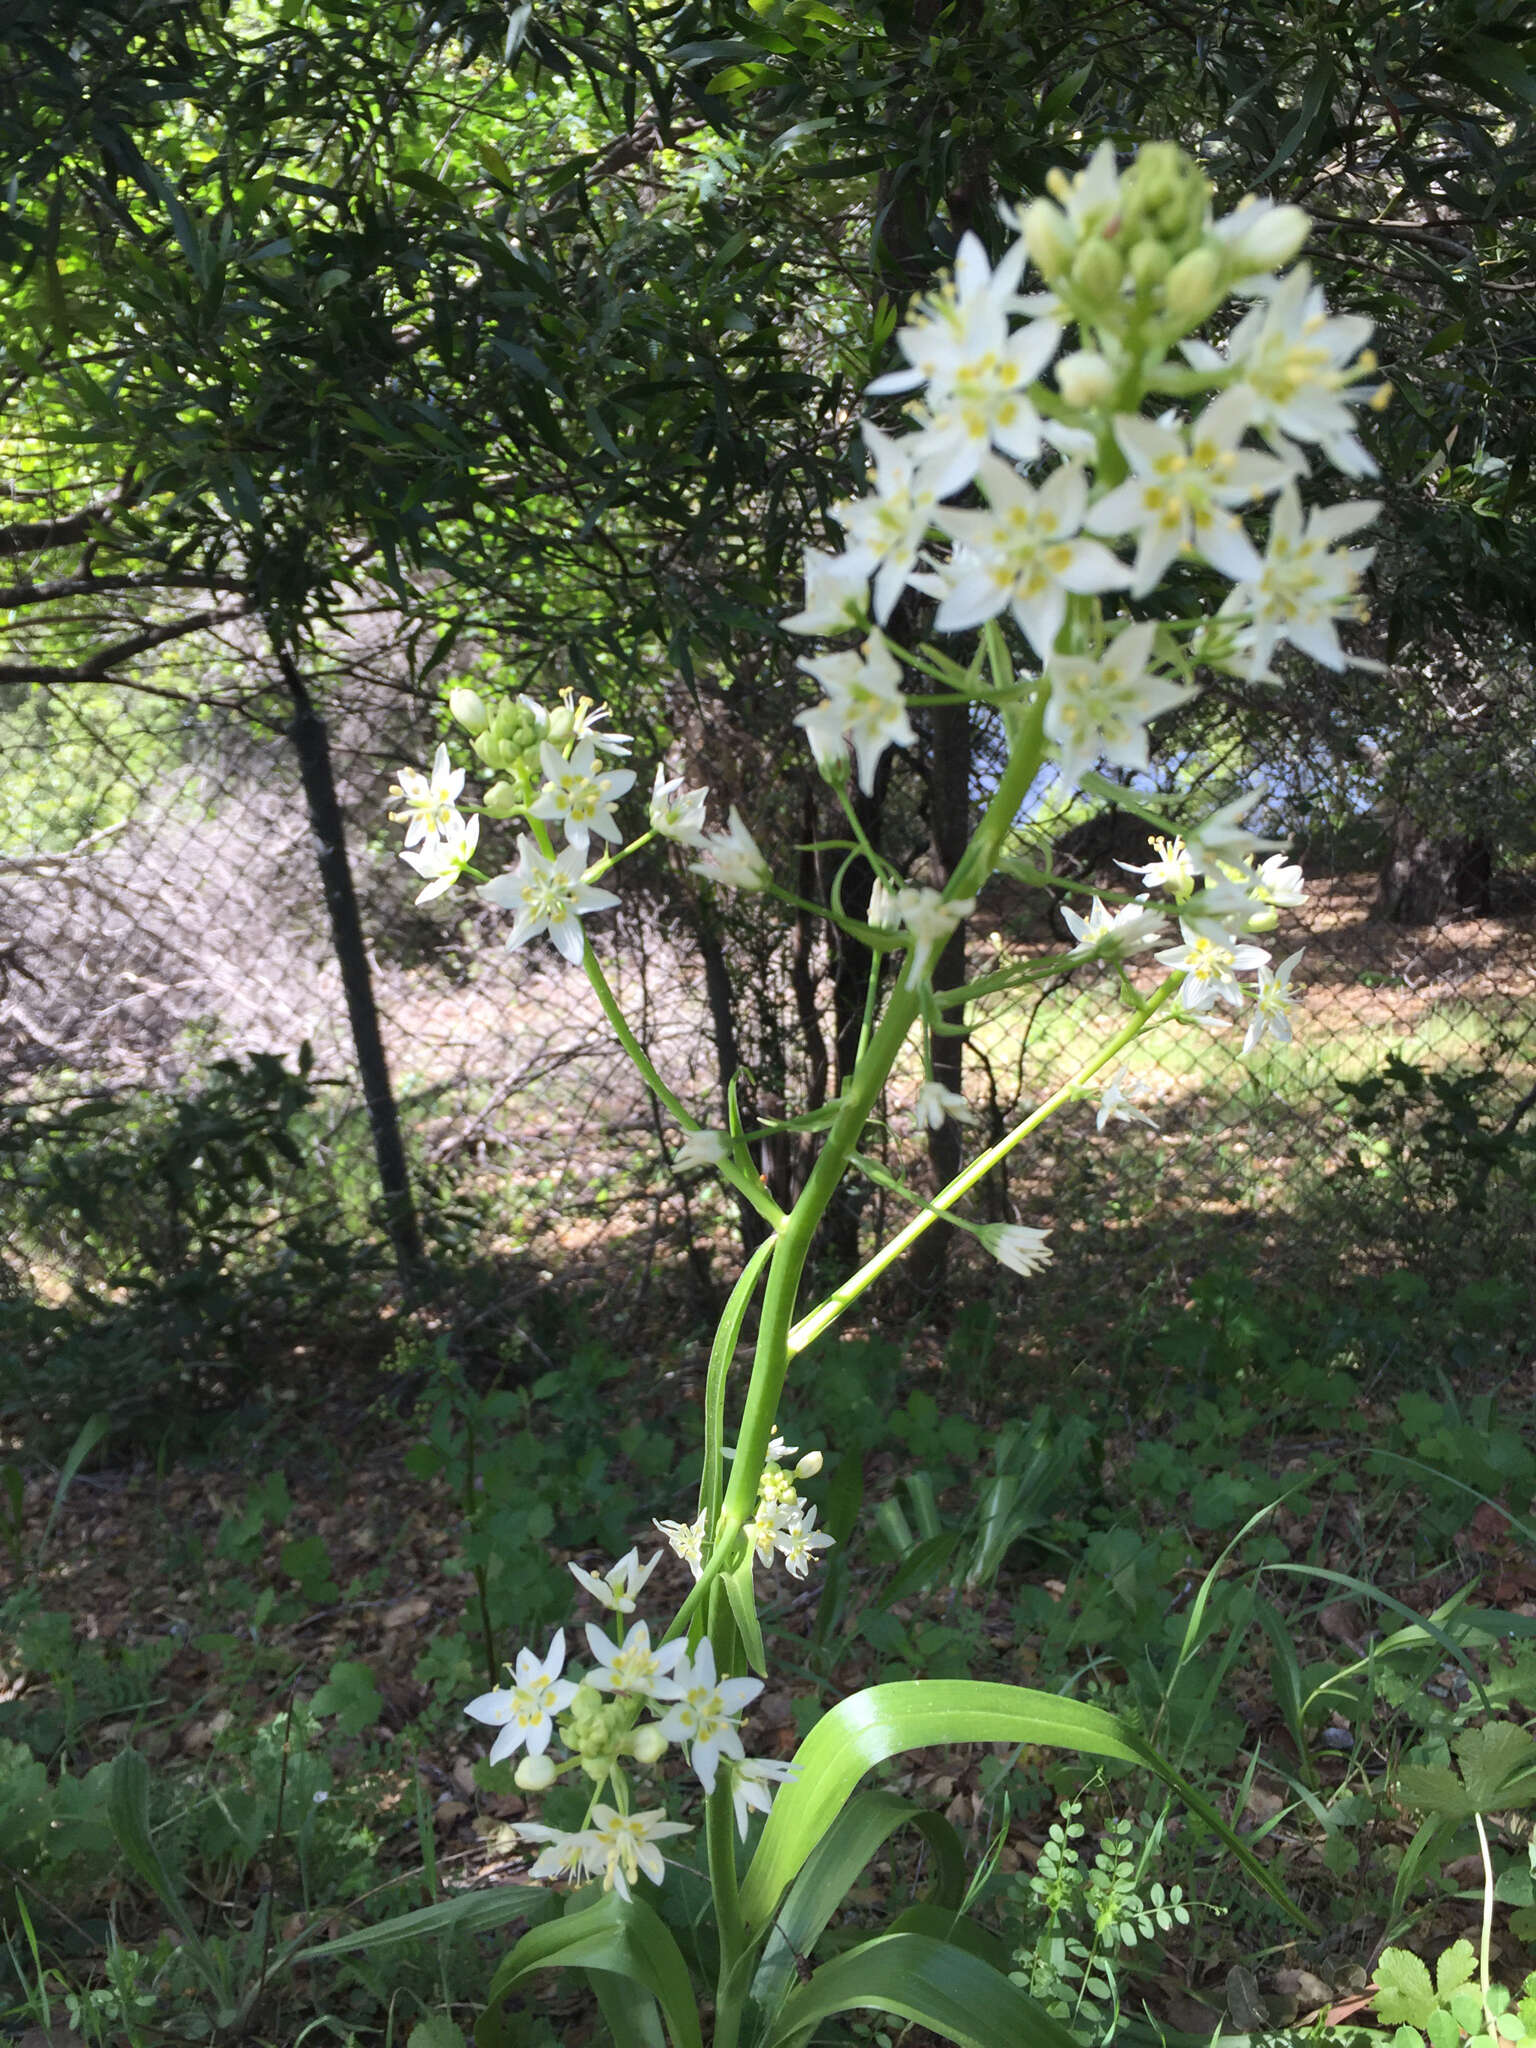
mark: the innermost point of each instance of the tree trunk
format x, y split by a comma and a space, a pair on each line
1428, 877
310, 742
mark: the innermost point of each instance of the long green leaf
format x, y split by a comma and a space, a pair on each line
930, 1983
868, 1820
630, 2013
92, 1430
475, 1912
128, 1818
722, 1351
885, 1720
622, 1937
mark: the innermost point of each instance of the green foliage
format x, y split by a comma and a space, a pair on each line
191, 1229
1436, 1138
1079, 1922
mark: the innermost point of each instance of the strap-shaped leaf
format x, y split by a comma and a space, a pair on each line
722, 1351
742, 1594
474, 1912
630, 2013
622, 1937
941, 1923
885, 1720
868, 1820
934, 1984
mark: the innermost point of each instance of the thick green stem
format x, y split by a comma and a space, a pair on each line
771, 1358
822, 1318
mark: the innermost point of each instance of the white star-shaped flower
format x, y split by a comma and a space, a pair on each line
889, 525
931, 919
798, 1538
977, 373
1023, 554
443, 859
863, 704
1296, 368
631, 1666
705, 1711
935, 1103
1111, 934
701, 1148
733, 858
686, 1540
565, 1854
1210, 964
620, 1587
1184, 482
622, 1846
429, 800
1117, 1101
677, 813
548, 895
1017, 1246
1303, 586
1099, 708
525, 1711
1171, 868
836, 593
1272, 1001
579, 794
752, 1778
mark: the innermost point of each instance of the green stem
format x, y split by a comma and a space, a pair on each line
720, 1839
823, 1317
745, 1183
771, 1359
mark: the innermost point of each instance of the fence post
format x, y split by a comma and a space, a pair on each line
307, 731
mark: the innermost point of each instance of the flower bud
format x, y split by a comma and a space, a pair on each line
468, 708
1085, 378
1193, 285
508, 723
501, 800
809, 1465
1048, 247
648, 1744
534, 1774
1276, 235
1097, 272
562, 723
1148, 265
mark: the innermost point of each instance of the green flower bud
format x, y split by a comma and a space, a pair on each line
1148, 265
468, 708
1042, 227
510, 723
535, 1774
1263, 920
648, 1744
1097, 273
562, 723
1085, 378
501, 800
1193, 285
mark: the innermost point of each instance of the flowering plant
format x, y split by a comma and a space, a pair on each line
1144, 447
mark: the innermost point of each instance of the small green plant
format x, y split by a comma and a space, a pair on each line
1453, 2006
1083, 1922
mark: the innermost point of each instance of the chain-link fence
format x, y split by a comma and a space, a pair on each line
184, 921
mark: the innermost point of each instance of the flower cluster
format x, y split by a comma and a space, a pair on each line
597, 1720
783, 1522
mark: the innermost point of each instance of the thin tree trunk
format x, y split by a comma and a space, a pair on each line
307, 731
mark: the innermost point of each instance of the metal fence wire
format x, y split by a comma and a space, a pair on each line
184, 921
